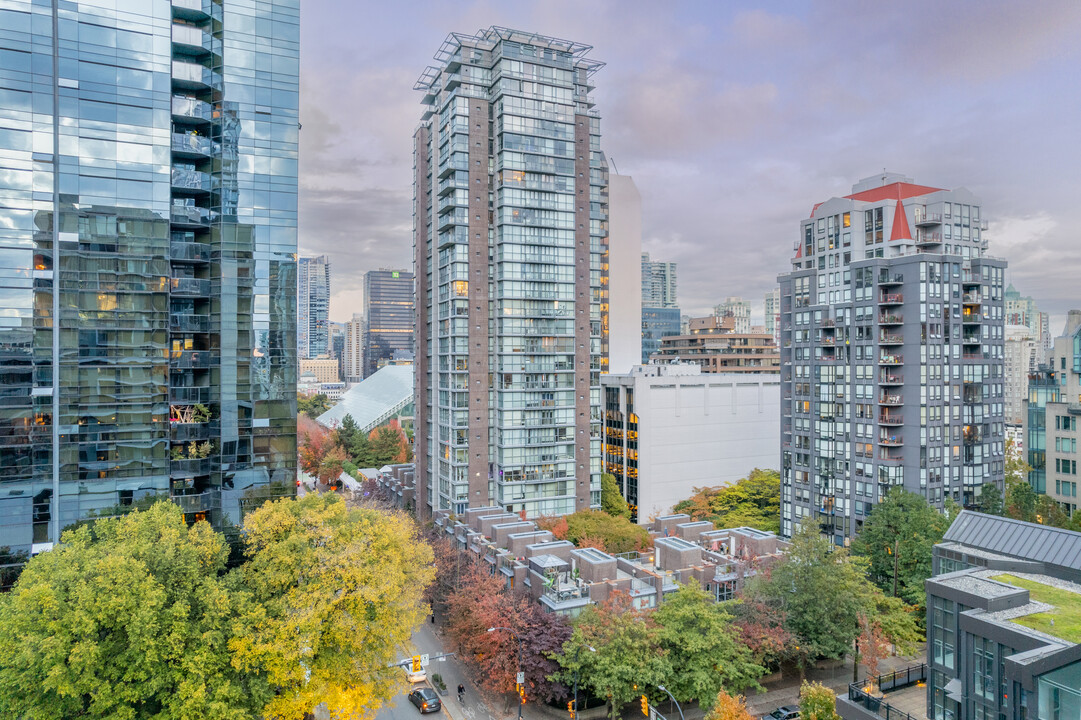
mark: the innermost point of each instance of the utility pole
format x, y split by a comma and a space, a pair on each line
895, 548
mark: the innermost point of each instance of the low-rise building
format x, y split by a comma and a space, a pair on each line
565, 579
669, 429
324, 368
713, 344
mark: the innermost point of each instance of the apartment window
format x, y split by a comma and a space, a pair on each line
943, 634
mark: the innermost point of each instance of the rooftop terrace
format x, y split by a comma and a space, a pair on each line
1063, 620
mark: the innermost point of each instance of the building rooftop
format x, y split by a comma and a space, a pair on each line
1054, 607
375, 400
1018, 539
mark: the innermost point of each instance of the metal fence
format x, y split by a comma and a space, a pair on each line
890, 681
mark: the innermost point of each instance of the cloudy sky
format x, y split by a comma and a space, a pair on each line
733, 118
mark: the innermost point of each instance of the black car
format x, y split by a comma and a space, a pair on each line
426, 700
788, 712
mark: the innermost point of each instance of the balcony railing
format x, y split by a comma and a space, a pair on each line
189, 395
885, 399
189, 323
195, 77
890, 339
186, 432
891, 299
891, 360
190, 215
889, 319
891, 441
189, 467
193, 180
859, 692
924, 219
890, 419
197, 10
188, 144
189, 108
928, 238
189, 252
190, 287
198, 502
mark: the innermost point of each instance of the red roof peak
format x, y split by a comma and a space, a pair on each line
898, 190
900, 229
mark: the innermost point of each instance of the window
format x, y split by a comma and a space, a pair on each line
943, 632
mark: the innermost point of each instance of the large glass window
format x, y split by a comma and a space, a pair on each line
943, 632
1060, 693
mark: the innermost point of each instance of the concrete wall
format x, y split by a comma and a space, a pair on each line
625, 274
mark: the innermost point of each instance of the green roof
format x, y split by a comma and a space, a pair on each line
1063, 621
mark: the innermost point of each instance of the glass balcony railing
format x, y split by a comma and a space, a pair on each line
192, 38
191, 109
198, 502
197, 10
190, 144
184, 178
183, 359
189, 252
199, 287
189, 323
187, 432
189, 395
191, 215
189, 467
194, 76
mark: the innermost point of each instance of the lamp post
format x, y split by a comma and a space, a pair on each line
662, 687
519, 639
576, 654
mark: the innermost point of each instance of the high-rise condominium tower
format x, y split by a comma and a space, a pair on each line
771, 309
388, 312
313, 306
892, 355
354, 349
148, 226
510, 255
658, 283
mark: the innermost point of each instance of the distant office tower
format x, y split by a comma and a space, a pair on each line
739, 310
892, 355
713, 344
772, 311
337, 345
624, 300
148, 271
388, 312
658, 283
313, 306
510, 236
657, 324
1023, 311
1051, 434
669, 429
1019, 360
354, 349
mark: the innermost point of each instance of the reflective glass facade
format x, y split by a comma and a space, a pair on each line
313, 307
511, 263
147, 258
388, 306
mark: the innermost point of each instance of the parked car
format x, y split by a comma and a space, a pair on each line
416, 677
426, 700
786, 712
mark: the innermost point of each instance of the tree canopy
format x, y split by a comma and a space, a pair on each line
612, 500
138, 617
593, 528
754, 501
312, 405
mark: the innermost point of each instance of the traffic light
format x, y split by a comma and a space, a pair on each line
416, 663
521, 694
645, 706
570, 707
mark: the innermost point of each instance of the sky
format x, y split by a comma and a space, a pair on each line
733, 118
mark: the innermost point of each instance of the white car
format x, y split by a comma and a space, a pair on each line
416, 677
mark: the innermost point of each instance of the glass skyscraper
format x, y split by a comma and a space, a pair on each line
148, 191
388, 307
511, 264
313, 307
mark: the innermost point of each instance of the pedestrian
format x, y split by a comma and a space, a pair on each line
461, 692
433, 618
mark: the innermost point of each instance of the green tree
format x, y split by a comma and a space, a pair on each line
616, 650
615, 534
1021, 502
991, 499
817, 702
348, 431
822, 592
1049, 512
127, 618
312, 406
897, 538
703, 648
337, 593
612, 500
754, 501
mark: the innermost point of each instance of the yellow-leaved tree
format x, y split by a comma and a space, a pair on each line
336, 593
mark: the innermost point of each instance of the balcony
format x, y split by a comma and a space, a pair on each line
189, 323
970, 318
826, 341
194, 147
192, 40
190, 216
928, 238
190, 76
971, 298
190, 110
971, 339
195, 10
889, 418
187, 432
189, 467
928, 219
198, 502
887, 319
190, 395
890, 339
890, 400
891, 280
891, 299
185, 179
891, 360
189, 252
189, 359
190, 287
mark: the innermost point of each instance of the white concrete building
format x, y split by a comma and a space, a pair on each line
669, 429
738, 308
354, 349
1020, 359
624, 274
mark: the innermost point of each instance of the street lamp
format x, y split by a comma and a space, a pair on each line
519, 639
662, 687
576, 654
